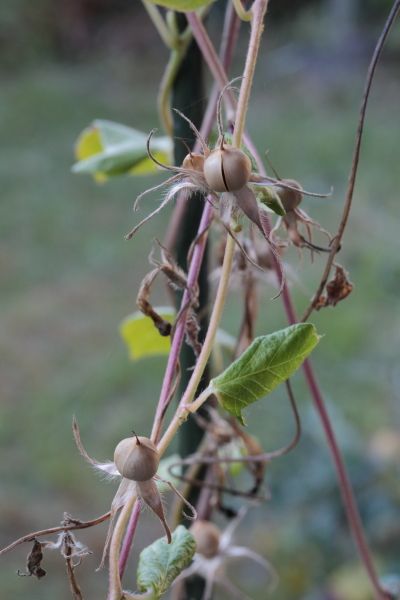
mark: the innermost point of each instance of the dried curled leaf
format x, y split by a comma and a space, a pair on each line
337, 289
34, 561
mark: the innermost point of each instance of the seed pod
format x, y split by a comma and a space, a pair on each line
290, 198
227, 169
207, 536
148, 492
136, 458
193, 161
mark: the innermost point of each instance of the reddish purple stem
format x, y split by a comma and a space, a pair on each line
349, 502
128, 539
173, 357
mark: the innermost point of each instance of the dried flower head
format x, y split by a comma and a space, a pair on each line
215, 550
136, 462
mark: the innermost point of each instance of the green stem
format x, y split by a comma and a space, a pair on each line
159, 23
242, 13
115, 587
258, 11
164, 94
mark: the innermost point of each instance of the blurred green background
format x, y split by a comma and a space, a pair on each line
68, 278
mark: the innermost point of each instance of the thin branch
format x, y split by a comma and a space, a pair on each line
242, 13
159, 23
297, 434
128, 539
179, 333
75, 524
201, 483
356, 157
115, 586
258, 11
265, 456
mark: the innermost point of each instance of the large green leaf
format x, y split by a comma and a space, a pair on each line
142, 338
267, 362
182, 5
105, 149
160, 563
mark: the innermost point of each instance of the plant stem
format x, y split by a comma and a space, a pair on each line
50, 530
128, 539
179, 334
115, 587
159, 23
206, 349
179, 45
208, 51
356, 157
163, 100
242, 13
258, 11
353, 515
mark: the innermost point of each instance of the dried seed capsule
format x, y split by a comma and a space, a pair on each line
193, 161
227, 169
207, 536
136, 458
290, 198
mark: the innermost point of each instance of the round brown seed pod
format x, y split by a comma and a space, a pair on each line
193, 161
227, 169
136, 458
207, 536
290, 198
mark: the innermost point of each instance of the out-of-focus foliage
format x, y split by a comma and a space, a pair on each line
106, 149
182, 5
142, 338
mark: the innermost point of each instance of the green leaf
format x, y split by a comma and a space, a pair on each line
160, 563
107, 149
268, 197
267, 362
182, 5
234, 449
142, 338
